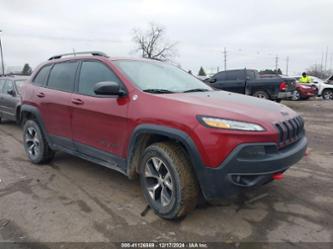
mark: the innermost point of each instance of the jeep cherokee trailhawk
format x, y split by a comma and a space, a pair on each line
150, 119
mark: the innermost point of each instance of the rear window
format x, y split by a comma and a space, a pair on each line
62, 76
41, 78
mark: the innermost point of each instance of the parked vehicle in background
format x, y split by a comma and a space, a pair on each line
304, 91
150, 119
325, 89
202, 78
249, 82
10, 96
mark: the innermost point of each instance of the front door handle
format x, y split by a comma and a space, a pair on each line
41, 95
77, 101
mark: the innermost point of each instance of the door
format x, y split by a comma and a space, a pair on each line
99, 123
231, 81
10, 99
54, 100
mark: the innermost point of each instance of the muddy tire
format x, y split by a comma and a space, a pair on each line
168, 181
35, 144
327, 94
261, 95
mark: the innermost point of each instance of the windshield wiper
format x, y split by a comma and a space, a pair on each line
196, 90
157, 91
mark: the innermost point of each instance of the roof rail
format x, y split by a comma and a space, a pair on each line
93, 53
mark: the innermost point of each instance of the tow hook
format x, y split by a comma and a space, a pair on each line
278, 176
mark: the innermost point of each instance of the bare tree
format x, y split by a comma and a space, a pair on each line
318, 71
152, 43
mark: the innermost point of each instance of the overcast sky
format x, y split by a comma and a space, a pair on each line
253, 32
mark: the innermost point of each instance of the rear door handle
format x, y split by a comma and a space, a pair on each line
77, 101
41, 95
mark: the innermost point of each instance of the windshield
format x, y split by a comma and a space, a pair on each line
19, 84
158, 77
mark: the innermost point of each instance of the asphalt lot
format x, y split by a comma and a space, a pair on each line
72, 200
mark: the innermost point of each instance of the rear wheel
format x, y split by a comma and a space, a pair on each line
296, 96
261, 95
35, 143
167, 180
327, 94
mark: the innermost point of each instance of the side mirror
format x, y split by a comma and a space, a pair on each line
109, 88
11, 92
212, 80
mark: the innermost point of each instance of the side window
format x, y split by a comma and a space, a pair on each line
235, 75
250, 75
62, 76
41, 78
220, 76
91, 73
2, 82
9, 86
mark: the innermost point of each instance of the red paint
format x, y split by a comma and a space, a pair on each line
108, 123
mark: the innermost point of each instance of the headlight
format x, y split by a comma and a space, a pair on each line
229, 124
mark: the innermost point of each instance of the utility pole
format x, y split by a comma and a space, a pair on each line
1, 53
331, 68
326, 59
225, 59
287, 65
276, 63
321, 63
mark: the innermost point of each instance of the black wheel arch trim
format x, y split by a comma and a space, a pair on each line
172, 133
35, 112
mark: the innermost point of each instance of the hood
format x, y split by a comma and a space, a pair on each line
233, 106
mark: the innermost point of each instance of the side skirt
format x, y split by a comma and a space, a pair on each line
90, 154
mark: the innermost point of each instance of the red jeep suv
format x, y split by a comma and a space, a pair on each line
150, 119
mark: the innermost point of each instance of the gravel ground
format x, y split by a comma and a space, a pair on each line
72, 200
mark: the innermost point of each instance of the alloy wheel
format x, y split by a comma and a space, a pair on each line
328, 95
159, 182
32, 142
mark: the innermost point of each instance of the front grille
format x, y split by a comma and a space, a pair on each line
290, 131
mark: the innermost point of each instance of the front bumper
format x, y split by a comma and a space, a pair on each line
249, 165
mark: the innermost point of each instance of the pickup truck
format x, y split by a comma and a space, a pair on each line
249, 82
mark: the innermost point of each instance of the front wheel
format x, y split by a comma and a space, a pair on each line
261, 95
168, 182
327, 94
35, 144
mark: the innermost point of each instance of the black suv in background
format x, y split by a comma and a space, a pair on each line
249, 82
10, 96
